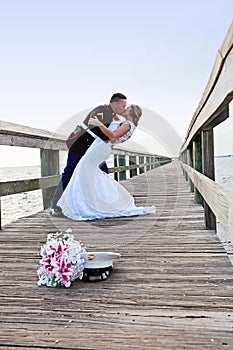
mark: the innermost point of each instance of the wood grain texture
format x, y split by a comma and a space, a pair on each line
218, 92
218, 199
24, 136
171, 289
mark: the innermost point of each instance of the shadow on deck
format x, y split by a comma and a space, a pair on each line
172, 288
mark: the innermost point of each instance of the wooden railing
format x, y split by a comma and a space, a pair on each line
197, 151
50, 144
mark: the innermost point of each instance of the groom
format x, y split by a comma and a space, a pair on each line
106, 113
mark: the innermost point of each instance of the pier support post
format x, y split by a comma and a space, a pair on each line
197, 164
208, 170
0, 215
185, 162
132, 161
115, 166
148, 163
141, 161
122, 162
49, 166
190, 163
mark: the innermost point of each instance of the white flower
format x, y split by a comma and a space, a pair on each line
61, 260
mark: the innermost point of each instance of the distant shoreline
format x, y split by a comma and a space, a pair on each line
224, 156
20, 166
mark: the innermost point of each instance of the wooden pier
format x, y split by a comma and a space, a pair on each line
171, 289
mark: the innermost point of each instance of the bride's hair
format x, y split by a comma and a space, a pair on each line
136, 113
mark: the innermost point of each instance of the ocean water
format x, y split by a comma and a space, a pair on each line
224, 172
21, 204
28, 203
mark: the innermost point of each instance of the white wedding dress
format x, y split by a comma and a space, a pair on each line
93, 194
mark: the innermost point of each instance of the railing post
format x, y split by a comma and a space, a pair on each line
0, 215
49, 166
185, 162
182, 159
147, 161
152, 161
208, 170
141, 161
190, 163
127, 163
115, 166
122, 174
132, 161
197, 165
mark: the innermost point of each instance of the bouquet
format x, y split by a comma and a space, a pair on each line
61, 261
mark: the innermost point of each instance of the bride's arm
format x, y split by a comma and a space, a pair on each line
122, 130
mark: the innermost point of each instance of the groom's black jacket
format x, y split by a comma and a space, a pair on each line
105, 115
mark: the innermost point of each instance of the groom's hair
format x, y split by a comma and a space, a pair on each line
117, 97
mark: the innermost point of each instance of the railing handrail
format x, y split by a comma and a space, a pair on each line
50, 144
217, 94
197, 151
26, 185
218, 199
20, 135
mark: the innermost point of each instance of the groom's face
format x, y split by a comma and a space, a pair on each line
120, 107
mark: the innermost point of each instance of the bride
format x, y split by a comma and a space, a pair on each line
93, 194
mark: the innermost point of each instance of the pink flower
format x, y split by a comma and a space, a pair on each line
47, 264
58, 251
64, 269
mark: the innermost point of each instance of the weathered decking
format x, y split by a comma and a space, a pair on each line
172, 288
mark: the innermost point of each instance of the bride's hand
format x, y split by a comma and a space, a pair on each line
113, 140
94, 121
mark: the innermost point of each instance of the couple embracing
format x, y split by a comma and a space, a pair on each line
85, 190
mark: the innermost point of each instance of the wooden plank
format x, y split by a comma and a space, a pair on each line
218, 92
8, 128
24, 136
171, 289
32, 142
219, 200
121, 150
19, 186
221, 56
123, 168
216, 119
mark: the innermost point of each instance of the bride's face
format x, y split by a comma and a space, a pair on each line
127, 113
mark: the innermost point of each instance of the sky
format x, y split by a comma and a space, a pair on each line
59, 58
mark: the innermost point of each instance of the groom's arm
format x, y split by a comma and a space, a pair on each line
104, 114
